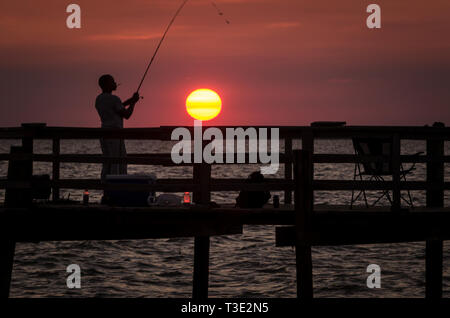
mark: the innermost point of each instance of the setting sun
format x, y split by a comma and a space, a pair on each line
203, 104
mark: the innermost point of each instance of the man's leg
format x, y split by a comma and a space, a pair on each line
123, 154
106, 166
111, 148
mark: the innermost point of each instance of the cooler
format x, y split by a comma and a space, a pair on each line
129, 198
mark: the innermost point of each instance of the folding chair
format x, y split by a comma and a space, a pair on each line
379, 169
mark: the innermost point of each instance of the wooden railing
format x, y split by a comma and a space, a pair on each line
434, 159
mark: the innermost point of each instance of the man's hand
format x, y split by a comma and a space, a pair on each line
127, 112
135, 98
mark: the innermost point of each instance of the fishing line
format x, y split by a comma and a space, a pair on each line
164, 35
219, 12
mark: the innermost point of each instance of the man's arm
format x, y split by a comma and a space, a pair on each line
132, 100
129, 101
127, 112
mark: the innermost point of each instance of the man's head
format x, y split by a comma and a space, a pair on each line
107, 83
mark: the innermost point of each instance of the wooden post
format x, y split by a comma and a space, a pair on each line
19, 170
55, 169
288, 168
27, 145
303, 199
435, 173
434, 198
202, 175
308, 141
396, 194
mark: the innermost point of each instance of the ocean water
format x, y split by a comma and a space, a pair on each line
247, 265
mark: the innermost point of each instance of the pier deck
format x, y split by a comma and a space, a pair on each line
331, 225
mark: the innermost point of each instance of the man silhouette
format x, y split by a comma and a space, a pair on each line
112, 112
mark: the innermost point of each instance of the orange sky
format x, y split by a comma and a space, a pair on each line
279, 62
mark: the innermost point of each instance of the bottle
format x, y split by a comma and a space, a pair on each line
276, 201
187, 198
86, 197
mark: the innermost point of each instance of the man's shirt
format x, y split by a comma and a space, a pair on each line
109, 107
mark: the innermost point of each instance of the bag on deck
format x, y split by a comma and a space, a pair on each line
253, 199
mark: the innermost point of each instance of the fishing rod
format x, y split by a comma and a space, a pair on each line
160, 42
219, 12
164, 35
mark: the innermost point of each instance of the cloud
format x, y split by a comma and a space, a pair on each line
283, 25
123, 37
239, 1
341, 80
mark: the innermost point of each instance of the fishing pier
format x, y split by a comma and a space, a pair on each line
300, 222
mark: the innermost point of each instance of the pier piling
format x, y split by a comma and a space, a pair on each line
19, 170
202, 174
303, 200
7, 249
434, 199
